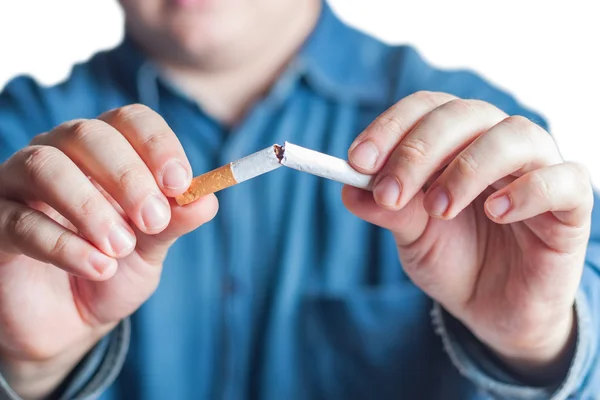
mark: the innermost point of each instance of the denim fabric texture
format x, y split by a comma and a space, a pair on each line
286, 294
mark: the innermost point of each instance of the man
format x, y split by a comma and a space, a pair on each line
474, 218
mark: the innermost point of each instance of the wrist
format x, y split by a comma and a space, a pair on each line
542, 356
36, 379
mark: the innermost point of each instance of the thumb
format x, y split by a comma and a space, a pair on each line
184, 219
134, 281
407, 224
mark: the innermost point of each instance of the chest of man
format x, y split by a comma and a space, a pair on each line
285, 293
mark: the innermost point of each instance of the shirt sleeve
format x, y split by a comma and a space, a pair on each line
94, 374
475, 361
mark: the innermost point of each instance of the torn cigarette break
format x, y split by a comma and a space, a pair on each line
269, 159
231, 174
323, 165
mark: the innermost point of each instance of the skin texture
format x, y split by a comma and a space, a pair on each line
195, 33
82, 245
224, 53
488, 219
87, 212
91, 249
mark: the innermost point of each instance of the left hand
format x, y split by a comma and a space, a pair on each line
489, 221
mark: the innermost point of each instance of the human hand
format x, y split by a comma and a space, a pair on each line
489, 221
85, 224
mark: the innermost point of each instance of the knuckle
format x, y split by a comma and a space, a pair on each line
533, 137
432, 99
414, 150
67, 126
155, 141
582, 182
81, 130
39, 139
581, 172
59, 245
426, 96
523, 128
540, 187
20, 223
389, 123
130, 111
88, 206
129, 176
466, 165
486, 108
458, 107
478, 103
519, 122
38, 162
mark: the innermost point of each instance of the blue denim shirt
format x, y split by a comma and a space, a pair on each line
286, 295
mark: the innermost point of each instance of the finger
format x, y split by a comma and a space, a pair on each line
429, 146
370, 150
109, 198
563, 189
513, 147
101, 152
33, 234
155, 142
45, 173
43, 207
183, 220
139, 279
407, 224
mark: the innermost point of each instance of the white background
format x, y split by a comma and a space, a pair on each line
546, 52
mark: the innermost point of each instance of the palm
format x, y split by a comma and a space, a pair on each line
45, 310
40, 295
491, 273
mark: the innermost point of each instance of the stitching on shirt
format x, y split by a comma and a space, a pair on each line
112, 363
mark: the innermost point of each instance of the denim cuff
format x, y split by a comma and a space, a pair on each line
94, 374
476, 363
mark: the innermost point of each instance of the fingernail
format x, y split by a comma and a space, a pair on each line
364, 155
175, 176
101, 263
439, 202
387, 191
499, 206
155, 213
121, 240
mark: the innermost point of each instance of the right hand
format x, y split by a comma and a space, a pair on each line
85, 224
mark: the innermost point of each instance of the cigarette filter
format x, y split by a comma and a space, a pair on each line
273, 157
231, 174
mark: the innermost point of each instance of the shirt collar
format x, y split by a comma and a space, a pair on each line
335, 60
345, 63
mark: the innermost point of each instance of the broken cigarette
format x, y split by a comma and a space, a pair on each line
269, 159
231, 174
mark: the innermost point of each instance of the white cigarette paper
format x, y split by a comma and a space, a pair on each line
231, 174
255, 164
269, 159
323, 165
